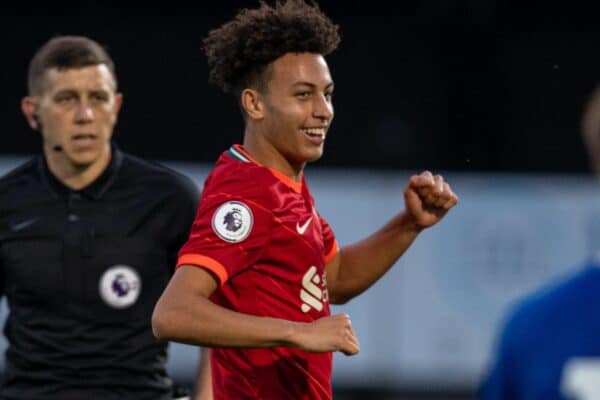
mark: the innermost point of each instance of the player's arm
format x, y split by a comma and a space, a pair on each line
356, 267
184, 313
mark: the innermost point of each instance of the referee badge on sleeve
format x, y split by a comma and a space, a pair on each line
232, 221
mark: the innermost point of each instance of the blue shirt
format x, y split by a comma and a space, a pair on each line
550, 346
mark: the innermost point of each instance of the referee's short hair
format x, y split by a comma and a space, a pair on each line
65, 52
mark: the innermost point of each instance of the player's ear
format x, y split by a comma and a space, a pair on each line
29, 106
252, 103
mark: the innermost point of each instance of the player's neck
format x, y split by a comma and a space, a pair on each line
74, 176
268, 156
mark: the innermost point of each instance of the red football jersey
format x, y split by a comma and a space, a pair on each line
258, 232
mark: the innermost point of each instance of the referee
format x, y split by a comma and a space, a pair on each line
88, 239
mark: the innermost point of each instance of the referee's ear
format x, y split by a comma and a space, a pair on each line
29, 106
252, 104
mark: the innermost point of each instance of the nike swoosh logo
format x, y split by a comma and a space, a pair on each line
302, 228
23, 224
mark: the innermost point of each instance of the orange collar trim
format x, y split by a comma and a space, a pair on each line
239, 153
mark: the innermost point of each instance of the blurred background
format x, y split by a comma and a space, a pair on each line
487, 92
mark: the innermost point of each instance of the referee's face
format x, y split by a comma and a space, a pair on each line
76, 114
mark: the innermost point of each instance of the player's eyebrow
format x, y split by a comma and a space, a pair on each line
311, 85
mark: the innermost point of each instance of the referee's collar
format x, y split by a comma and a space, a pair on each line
94, 190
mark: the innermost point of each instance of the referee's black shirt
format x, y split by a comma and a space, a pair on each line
82, 271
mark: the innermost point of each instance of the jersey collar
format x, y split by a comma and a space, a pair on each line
237, 152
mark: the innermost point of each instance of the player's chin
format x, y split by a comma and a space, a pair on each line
312, 152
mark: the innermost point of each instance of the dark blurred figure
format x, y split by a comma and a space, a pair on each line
550, 346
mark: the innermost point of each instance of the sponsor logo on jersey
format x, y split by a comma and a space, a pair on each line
302, 228
19, 226
120, 286
313, 293
581, 378
232, 221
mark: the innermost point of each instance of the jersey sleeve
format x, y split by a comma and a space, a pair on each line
330, 244
228, 234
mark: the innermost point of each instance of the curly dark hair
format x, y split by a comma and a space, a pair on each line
240, 51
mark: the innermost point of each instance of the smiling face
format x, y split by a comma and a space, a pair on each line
76, 113
295, 110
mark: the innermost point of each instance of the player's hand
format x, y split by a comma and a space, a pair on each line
332, 333
428, 198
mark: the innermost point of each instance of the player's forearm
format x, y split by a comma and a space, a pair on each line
364, 262
204, 323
